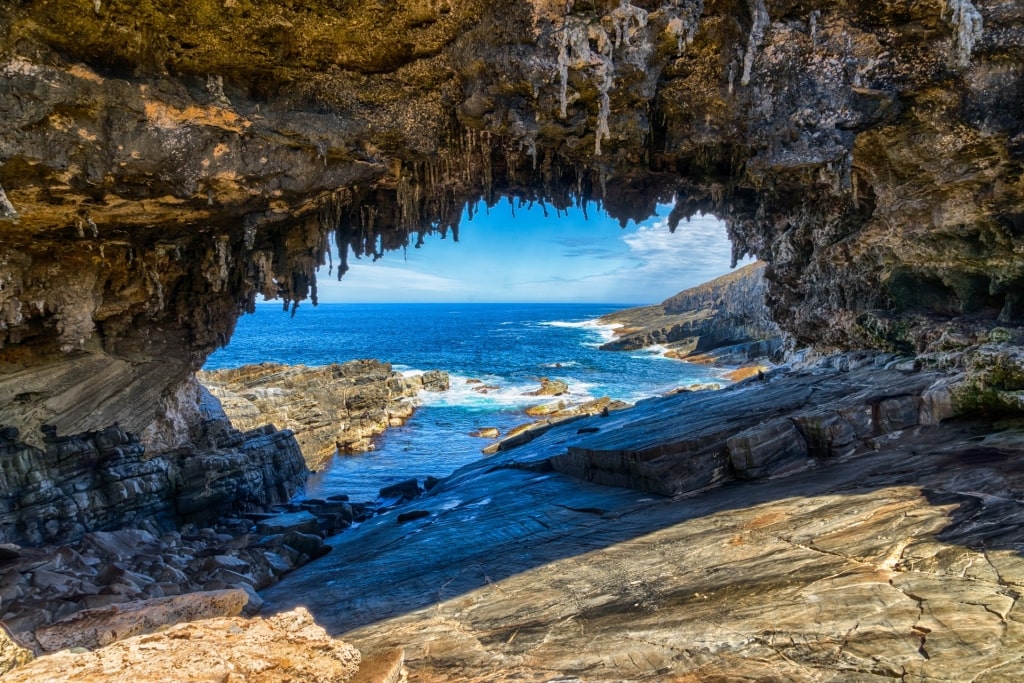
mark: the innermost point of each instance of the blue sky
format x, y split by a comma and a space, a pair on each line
532, 258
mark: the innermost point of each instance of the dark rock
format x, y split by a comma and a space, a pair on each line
724, 321
302, 522
411, 515
406, 490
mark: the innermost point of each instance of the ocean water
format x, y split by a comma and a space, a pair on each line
510, 346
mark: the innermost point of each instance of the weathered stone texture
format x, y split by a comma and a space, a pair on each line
337, 407
284, 647
107, 480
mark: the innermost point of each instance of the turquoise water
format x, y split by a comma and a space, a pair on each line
508, 345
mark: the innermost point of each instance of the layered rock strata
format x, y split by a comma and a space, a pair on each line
724, 321
160, 169
330, 409
893, 554
107, 480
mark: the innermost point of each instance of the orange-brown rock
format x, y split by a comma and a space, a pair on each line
277, 649
337, 407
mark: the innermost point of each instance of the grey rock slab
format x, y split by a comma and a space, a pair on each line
302, 522
857, 569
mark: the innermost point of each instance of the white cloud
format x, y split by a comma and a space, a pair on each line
377, 282
696, 252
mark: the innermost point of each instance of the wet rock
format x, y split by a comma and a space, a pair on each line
550, 387
411, 515
406, 490
486, 433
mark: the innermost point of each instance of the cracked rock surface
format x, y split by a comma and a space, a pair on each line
901, 561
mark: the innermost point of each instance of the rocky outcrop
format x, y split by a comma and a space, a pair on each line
723, 321
109, 585
330, 409
159, 170
106, 480
884, 545
284, 647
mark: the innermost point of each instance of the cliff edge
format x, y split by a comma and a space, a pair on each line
723, 321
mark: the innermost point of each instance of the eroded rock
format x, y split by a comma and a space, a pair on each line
288, 646
337, 407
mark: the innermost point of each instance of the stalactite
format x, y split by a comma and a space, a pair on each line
760, 20
626, 20
967, 24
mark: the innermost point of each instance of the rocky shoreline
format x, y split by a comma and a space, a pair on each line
721, 322
807, 532
333, 408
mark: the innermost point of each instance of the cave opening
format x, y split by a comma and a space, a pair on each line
517, 251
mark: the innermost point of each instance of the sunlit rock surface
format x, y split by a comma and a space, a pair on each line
337, 407
285, 647
899, 560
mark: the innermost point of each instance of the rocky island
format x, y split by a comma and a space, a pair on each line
855, 516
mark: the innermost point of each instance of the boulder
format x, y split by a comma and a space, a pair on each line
550, 387
99, 627
406, 490
302, 522
285, 647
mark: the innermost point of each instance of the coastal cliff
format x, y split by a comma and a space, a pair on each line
163, 164
160, 169
723, 321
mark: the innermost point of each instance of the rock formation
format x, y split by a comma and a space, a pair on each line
160, 169
723, 321
842, 521
106, 480
337, 407
162, 166
284, 647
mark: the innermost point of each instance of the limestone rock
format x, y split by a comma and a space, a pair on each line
12, 654
98, 627
337, 407
550, 387
285, 647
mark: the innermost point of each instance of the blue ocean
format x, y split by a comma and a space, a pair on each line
510, 346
